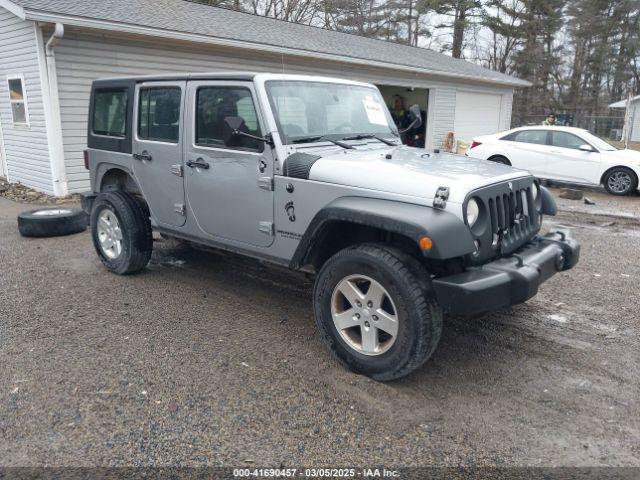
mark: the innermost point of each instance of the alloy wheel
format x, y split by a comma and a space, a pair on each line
109, 234
364, 314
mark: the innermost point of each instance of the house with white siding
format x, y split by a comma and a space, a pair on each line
631, 106
51, 50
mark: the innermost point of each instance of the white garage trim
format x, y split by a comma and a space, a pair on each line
3, 156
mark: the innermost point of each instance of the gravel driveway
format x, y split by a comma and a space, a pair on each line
211, 359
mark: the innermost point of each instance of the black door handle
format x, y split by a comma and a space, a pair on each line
142, 156
199, 163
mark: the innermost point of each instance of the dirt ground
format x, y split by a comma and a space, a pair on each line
211, 359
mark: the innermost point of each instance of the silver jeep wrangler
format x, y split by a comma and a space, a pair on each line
310, 173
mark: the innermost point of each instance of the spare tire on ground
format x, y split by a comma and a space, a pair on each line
52, 222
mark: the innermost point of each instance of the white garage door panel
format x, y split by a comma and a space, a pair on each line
476, 114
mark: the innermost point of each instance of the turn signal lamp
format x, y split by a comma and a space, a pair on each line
425, 243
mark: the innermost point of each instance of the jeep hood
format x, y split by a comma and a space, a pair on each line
409, 171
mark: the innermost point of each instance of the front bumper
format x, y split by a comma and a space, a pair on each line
510, 280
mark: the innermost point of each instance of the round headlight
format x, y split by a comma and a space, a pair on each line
473, 211
534, 191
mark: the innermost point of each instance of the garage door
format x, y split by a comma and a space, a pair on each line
476, 114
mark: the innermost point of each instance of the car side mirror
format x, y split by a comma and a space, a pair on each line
230, 133
586, 148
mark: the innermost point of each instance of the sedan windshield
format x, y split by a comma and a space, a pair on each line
316, 111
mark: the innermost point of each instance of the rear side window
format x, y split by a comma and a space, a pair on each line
110, 112
538, 137
213, 105
159, 114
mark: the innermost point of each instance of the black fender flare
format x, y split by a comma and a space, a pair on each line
548, 206
451, 237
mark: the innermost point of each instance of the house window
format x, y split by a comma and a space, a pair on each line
18, 100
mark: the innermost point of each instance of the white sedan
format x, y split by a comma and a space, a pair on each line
565, 154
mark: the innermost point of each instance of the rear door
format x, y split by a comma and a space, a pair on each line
567, 162
528, 150
157, 149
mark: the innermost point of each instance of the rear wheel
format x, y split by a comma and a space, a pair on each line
375, 311
121, 232
620, 181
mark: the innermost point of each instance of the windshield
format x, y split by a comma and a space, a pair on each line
318, 109
597, 142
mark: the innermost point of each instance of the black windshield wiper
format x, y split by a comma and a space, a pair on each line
370, 135
321, 137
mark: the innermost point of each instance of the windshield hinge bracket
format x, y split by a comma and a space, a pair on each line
266, 183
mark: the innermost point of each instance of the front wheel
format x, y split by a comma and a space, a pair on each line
375, 311
121, 232
620, 181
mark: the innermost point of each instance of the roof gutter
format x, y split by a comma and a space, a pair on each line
192, 37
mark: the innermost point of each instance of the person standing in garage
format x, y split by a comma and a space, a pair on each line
399, 115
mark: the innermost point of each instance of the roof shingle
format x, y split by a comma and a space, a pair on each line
186, 17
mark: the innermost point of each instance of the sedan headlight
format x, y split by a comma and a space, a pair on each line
473, 211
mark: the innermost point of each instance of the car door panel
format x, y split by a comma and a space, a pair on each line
523, 153
229, 190
570, 164
158, 149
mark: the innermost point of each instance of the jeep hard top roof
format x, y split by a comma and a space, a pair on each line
239, 76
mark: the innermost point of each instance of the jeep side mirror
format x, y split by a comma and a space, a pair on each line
415, 115
233, 126
234, 130
586, 148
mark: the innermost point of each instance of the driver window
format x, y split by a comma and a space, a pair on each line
213, 105
566, 140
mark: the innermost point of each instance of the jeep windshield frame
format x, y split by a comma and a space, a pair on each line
314, 111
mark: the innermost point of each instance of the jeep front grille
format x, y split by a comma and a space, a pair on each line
511, 216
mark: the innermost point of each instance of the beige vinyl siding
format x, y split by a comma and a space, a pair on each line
82, 57
26, 146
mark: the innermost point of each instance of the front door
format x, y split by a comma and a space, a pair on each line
158, 149
567, 162
229, 186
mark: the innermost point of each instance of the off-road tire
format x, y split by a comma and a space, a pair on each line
52, 222
632, 187
419, 314
137, 238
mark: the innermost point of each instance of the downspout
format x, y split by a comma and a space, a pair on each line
56, 146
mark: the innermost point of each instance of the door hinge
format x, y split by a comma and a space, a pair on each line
180, 209
266, 227
177, 170
266, 183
